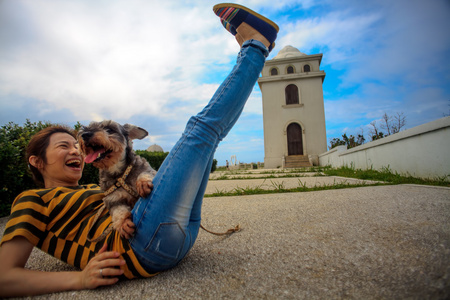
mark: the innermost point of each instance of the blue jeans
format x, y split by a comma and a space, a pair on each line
168, 220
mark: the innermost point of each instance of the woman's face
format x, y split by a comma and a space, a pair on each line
65, 164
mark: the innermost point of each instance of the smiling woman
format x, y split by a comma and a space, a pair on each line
47, 149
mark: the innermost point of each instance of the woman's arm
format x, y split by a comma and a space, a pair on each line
15, 280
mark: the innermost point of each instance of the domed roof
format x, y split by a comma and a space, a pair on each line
155, 148
289, 51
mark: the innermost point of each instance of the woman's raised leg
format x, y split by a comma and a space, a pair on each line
167, 221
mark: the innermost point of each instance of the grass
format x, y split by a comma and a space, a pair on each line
281, 189
269, 176
383, 177
386, 175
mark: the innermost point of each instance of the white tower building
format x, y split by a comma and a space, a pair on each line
293, 109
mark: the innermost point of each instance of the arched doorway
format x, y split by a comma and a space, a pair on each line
294, 139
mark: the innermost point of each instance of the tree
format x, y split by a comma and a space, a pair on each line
360, 139
375, 133
399, 121
334, 142
350, 142
386, 123
392, 125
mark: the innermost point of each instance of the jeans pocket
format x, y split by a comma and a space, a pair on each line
167, 243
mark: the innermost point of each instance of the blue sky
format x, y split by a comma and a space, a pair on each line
156, 63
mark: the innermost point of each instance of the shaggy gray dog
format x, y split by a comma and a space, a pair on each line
124, 176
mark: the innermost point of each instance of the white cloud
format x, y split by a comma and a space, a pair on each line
339, 33
408, 44
130, 61
115, 59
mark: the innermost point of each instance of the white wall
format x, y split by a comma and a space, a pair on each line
422, 151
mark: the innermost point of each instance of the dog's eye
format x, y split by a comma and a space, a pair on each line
109, 131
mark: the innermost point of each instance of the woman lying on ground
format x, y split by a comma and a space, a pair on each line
57, 218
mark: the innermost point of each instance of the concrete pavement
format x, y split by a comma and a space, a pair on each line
356, 243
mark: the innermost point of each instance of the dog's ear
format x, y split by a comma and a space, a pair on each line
135, 132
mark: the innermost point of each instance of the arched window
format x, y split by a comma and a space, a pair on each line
295, 141
290, 70
291, 93
307, 68
273, 71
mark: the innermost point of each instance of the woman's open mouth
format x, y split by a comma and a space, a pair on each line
74, 164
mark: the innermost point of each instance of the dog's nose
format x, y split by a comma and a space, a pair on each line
86, 135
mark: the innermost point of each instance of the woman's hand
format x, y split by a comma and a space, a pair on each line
15, 253
101, 269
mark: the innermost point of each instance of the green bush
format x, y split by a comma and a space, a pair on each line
155, 159
15, 176
214, 165
90, 175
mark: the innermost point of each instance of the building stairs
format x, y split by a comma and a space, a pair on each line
297, 161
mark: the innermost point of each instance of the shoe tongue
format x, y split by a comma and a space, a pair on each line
93, 156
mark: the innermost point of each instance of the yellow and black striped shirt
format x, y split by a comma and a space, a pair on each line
57, 220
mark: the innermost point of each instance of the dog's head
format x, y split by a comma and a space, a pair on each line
106, 144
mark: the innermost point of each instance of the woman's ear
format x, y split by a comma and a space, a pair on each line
35, 162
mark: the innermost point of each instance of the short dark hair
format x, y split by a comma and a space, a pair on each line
38, 147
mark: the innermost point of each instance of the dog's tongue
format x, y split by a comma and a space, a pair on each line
93, 156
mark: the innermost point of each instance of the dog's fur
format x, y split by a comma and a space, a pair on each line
108, 145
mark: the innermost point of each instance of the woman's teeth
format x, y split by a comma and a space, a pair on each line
74, 163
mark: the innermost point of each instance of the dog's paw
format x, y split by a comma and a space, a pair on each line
128, 228
123, 224
144, 186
